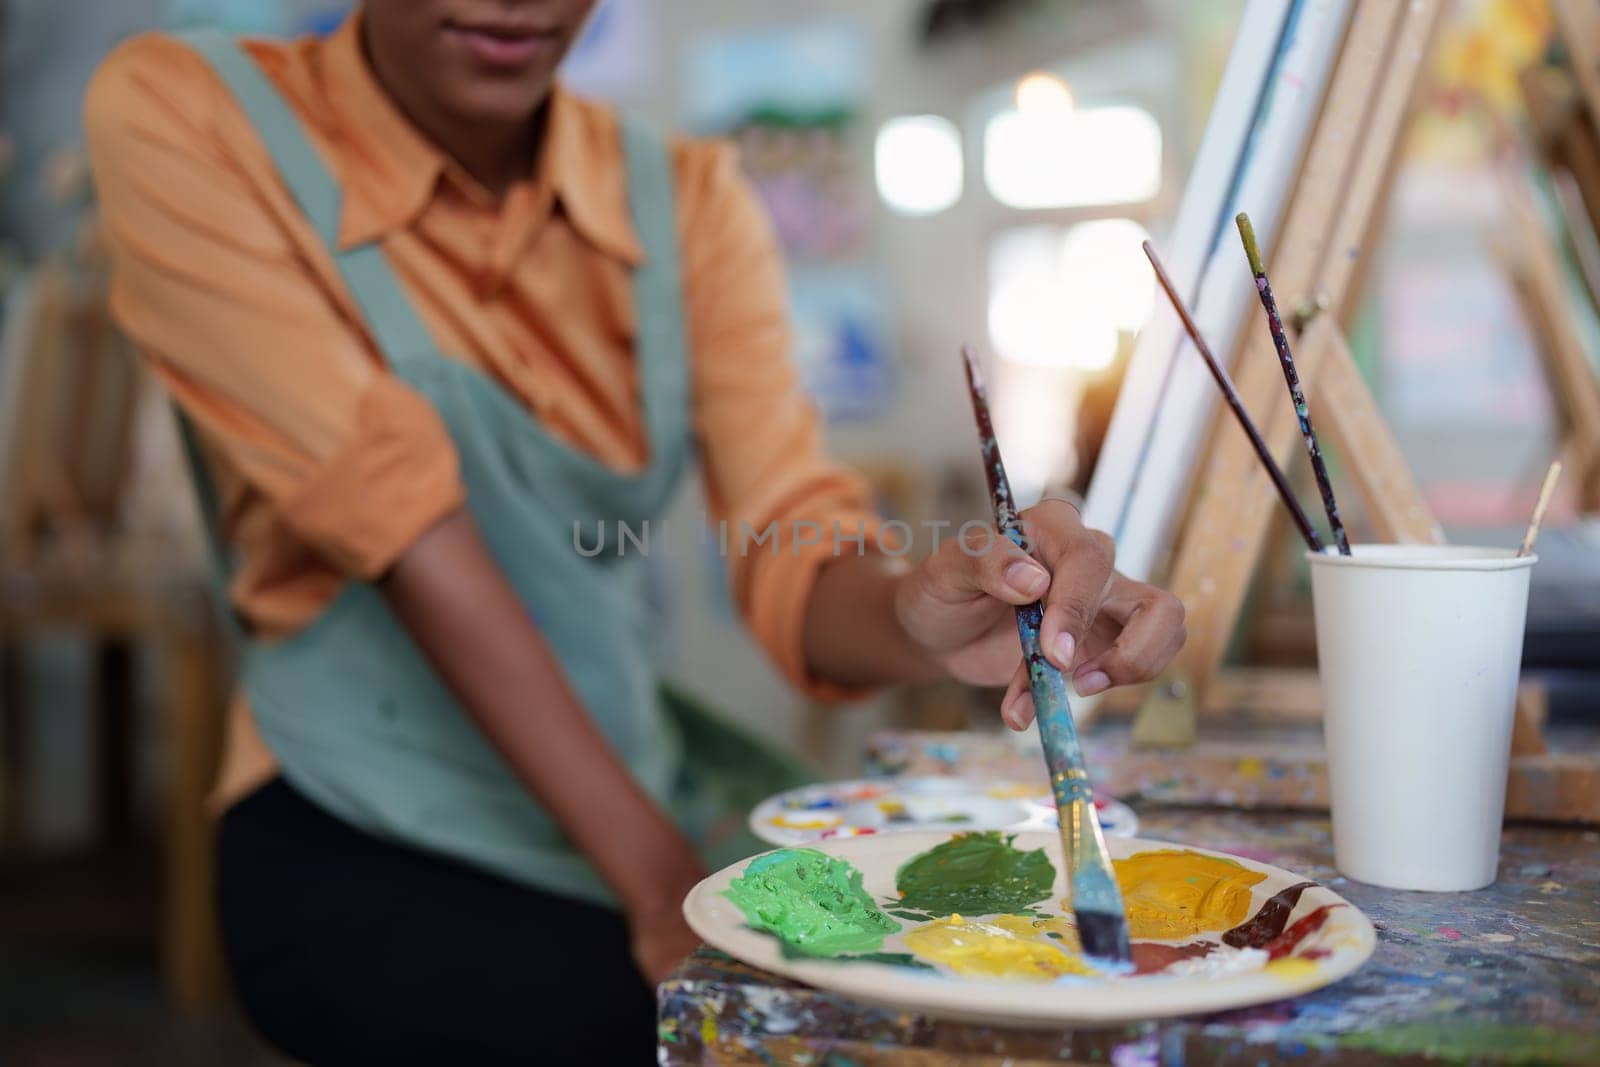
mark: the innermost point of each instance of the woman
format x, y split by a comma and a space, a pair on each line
423, 312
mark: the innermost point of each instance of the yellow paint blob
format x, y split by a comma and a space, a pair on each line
1291, 967
1175, 893
1017, 791
1025, 926
998, 949
826, 822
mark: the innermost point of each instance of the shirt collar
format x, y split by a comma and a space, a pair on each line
387, 169
390, 170
584, 163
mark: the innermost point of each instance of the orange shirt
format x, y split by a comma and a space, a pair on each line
327, 465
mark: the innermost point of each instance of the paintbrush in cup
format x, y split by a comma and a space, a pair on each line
1546, 490
1280, 341
1092, 884
1236, 405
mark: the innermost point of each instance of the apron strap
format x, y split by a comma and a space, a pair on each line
660, 344
388, 314
402, 340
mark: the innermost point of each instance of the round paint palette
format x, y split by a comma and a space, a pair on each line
831, 810
1296, 936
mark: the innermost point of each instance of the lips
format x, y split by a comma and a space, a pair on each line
503, 46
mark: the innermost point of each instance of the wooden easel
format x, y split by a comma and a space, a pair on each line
1532, 263
1325, 230
68, 565
1578, 27
1565, 116
1325, 238
64, 458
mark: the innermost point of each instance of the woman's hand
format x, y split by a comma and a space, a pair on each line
453, 600
1102, 628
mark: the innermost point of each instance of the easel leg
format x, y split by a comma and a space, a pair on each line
193, 958
1389, 493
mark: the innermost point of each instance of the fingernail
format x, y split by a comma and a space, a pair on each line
1029, 579
1091, 683
1021, 712
1065, 647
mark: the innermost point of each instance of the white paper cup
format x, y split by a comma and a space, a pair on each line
1419, 648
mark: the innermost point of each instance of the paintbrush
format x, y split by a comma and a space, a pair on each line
1231, 395
1280, 341
1092, 885
1551, 476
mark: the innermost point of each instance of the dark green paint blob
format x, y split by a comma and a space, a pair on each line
811, 902
975, 874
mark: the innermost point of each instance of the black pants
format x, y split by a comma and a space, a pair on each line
346, 949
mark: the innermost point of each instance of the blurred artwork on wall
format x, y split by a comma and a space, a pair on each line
790, 97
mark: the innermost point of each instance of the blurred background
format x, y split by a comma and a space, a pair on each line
938, 171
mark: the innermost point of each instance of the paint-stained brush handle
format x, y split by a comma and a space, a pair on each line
1096, 898
1235, 404
1302, 411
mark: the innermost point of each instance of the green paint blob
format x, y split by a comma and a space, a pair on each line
811, 902
975, 874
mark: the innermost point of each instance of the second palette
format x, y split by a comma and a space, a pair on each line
859, 808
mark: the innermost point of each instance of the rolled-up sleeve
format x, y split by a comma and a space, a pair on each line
232, 315
766, 474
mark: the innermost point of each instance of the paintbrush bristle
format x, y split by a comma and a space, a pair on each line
974, 375
1103, 935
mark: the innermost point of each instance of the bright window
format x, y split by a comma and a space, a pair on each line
1046, 153
918, 164
1063, 297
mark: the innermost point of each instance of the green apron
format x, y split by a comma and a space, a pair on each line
356, 717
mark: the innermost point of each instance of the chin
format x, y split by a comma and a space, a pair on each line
501, 101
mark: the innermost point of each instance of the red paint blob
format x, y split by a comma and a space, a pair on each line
1285, 943
1269, 922
1150, 956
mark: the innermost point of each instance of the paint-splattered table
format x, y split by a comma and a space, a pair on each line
1281, 766
1508, 974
